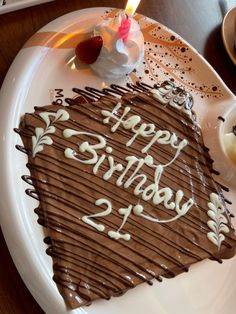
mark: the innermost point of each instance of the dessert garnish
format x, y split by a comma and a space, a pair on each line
122, 46
88, 50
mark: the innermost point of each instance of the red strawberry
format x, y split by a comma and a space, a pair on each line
88, 50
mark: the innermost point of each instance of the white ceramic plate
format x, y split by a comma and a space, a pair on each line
44, 71
13, 5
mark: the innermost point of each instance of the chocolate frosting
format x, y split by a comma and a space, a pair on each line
155, 240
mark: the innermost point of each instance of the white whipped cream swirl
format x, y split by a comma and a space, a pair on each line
118, 57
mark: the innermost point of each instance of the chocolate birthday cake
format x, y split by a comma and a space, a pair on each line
125, 188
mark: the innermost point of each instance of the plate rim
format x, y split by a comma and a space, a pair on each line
7, 235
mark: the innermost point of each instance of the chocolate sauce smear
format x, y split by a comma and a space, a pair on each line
96, 186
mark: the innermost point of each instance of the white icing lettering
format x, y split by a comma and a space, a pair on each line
131, 171
136, 176
150, 192
87, 219
85, 146
181, 145
116, 234
138, 211
131, 161
98, 164
144, 130
101, 159
131, 122
112, 114
100, 227
112, 168
162, 137
131, 174
109, 149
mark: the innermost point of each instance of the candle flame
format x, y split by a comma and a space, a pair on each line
131, 7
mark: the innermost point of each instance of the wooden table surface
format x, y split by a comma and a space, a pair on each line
198, 21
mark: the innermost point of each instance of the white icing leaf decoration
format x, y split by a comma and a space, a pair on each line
221, 237
212, 237
38, 149
224, 228
212, 225
211, 214
61, 115
46, 140
41, 136
167, 93
218, 221
45, 117
50, 129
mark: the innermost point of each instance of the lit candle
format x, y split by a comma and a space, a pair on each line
124, 28
125, 25
131, 7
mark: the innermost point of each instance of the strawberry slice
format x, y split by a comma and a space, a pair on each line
88, 50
